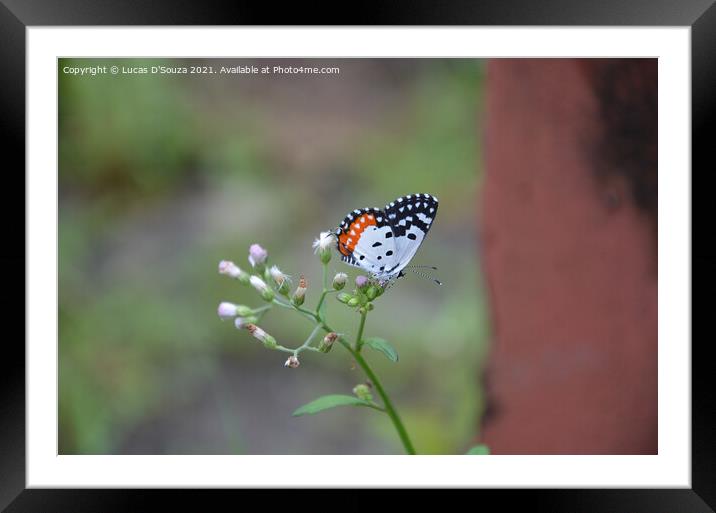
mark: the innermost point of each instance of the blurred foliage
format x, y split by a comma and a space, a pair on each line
162, 176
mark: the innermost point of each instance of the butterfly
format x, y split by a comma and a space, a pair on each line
382, 242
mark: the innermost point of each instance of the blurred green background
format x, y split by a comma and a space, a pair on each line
163, 176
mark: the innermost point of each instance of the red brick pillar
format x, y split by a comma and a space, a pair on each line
570, 260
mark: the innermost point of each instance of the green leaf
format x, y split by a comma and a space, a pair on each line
329, 401
480, 450
383, 346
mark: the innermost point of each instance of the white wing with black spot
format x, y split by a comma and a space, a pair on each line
410, 217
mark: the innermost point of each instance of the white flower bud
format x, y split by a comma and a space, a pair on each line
262, 288
278, 276
227, 310
324, 241
259, 284
339, 281
322, 246
280, 279
261, 335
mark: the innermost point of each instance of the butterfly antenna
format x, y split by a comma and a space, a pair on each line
427, 277
423, 267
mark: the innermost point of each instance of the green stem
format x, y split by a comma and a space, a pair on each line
320, 304
387, 403
359, 337
306, 313
319, 318
285, 349
307, 343
319, 313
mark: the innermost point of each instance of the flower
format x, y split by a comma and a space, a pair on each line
323, 242
292, 362
327, 342
339, 281
361, 281
243, 322
262, 288
277, 275
229, 268
259, 284
257, 255
282, 280
261, 335
300, 295
322, 246
227, 310
233, 271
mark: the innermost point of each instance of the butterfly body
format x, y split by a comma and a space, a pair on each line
382, 242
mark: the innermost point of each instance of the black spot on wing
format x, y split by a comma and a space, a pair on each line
345, 225
403, 212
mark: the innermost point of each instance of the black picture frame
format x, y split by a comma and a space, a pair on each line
17, 15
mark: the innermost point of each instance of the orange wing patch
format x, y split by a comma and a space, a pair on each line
348, 240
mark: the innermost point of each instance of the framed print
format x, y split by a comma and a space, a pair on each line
442, 250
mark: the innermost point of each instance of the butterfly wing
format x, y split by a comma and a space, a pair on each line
365, 240
410, 218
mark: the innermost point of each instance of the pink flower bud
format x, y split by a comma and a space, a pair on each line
257, 255
229, 268
361, 281
292, 362
227, 310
